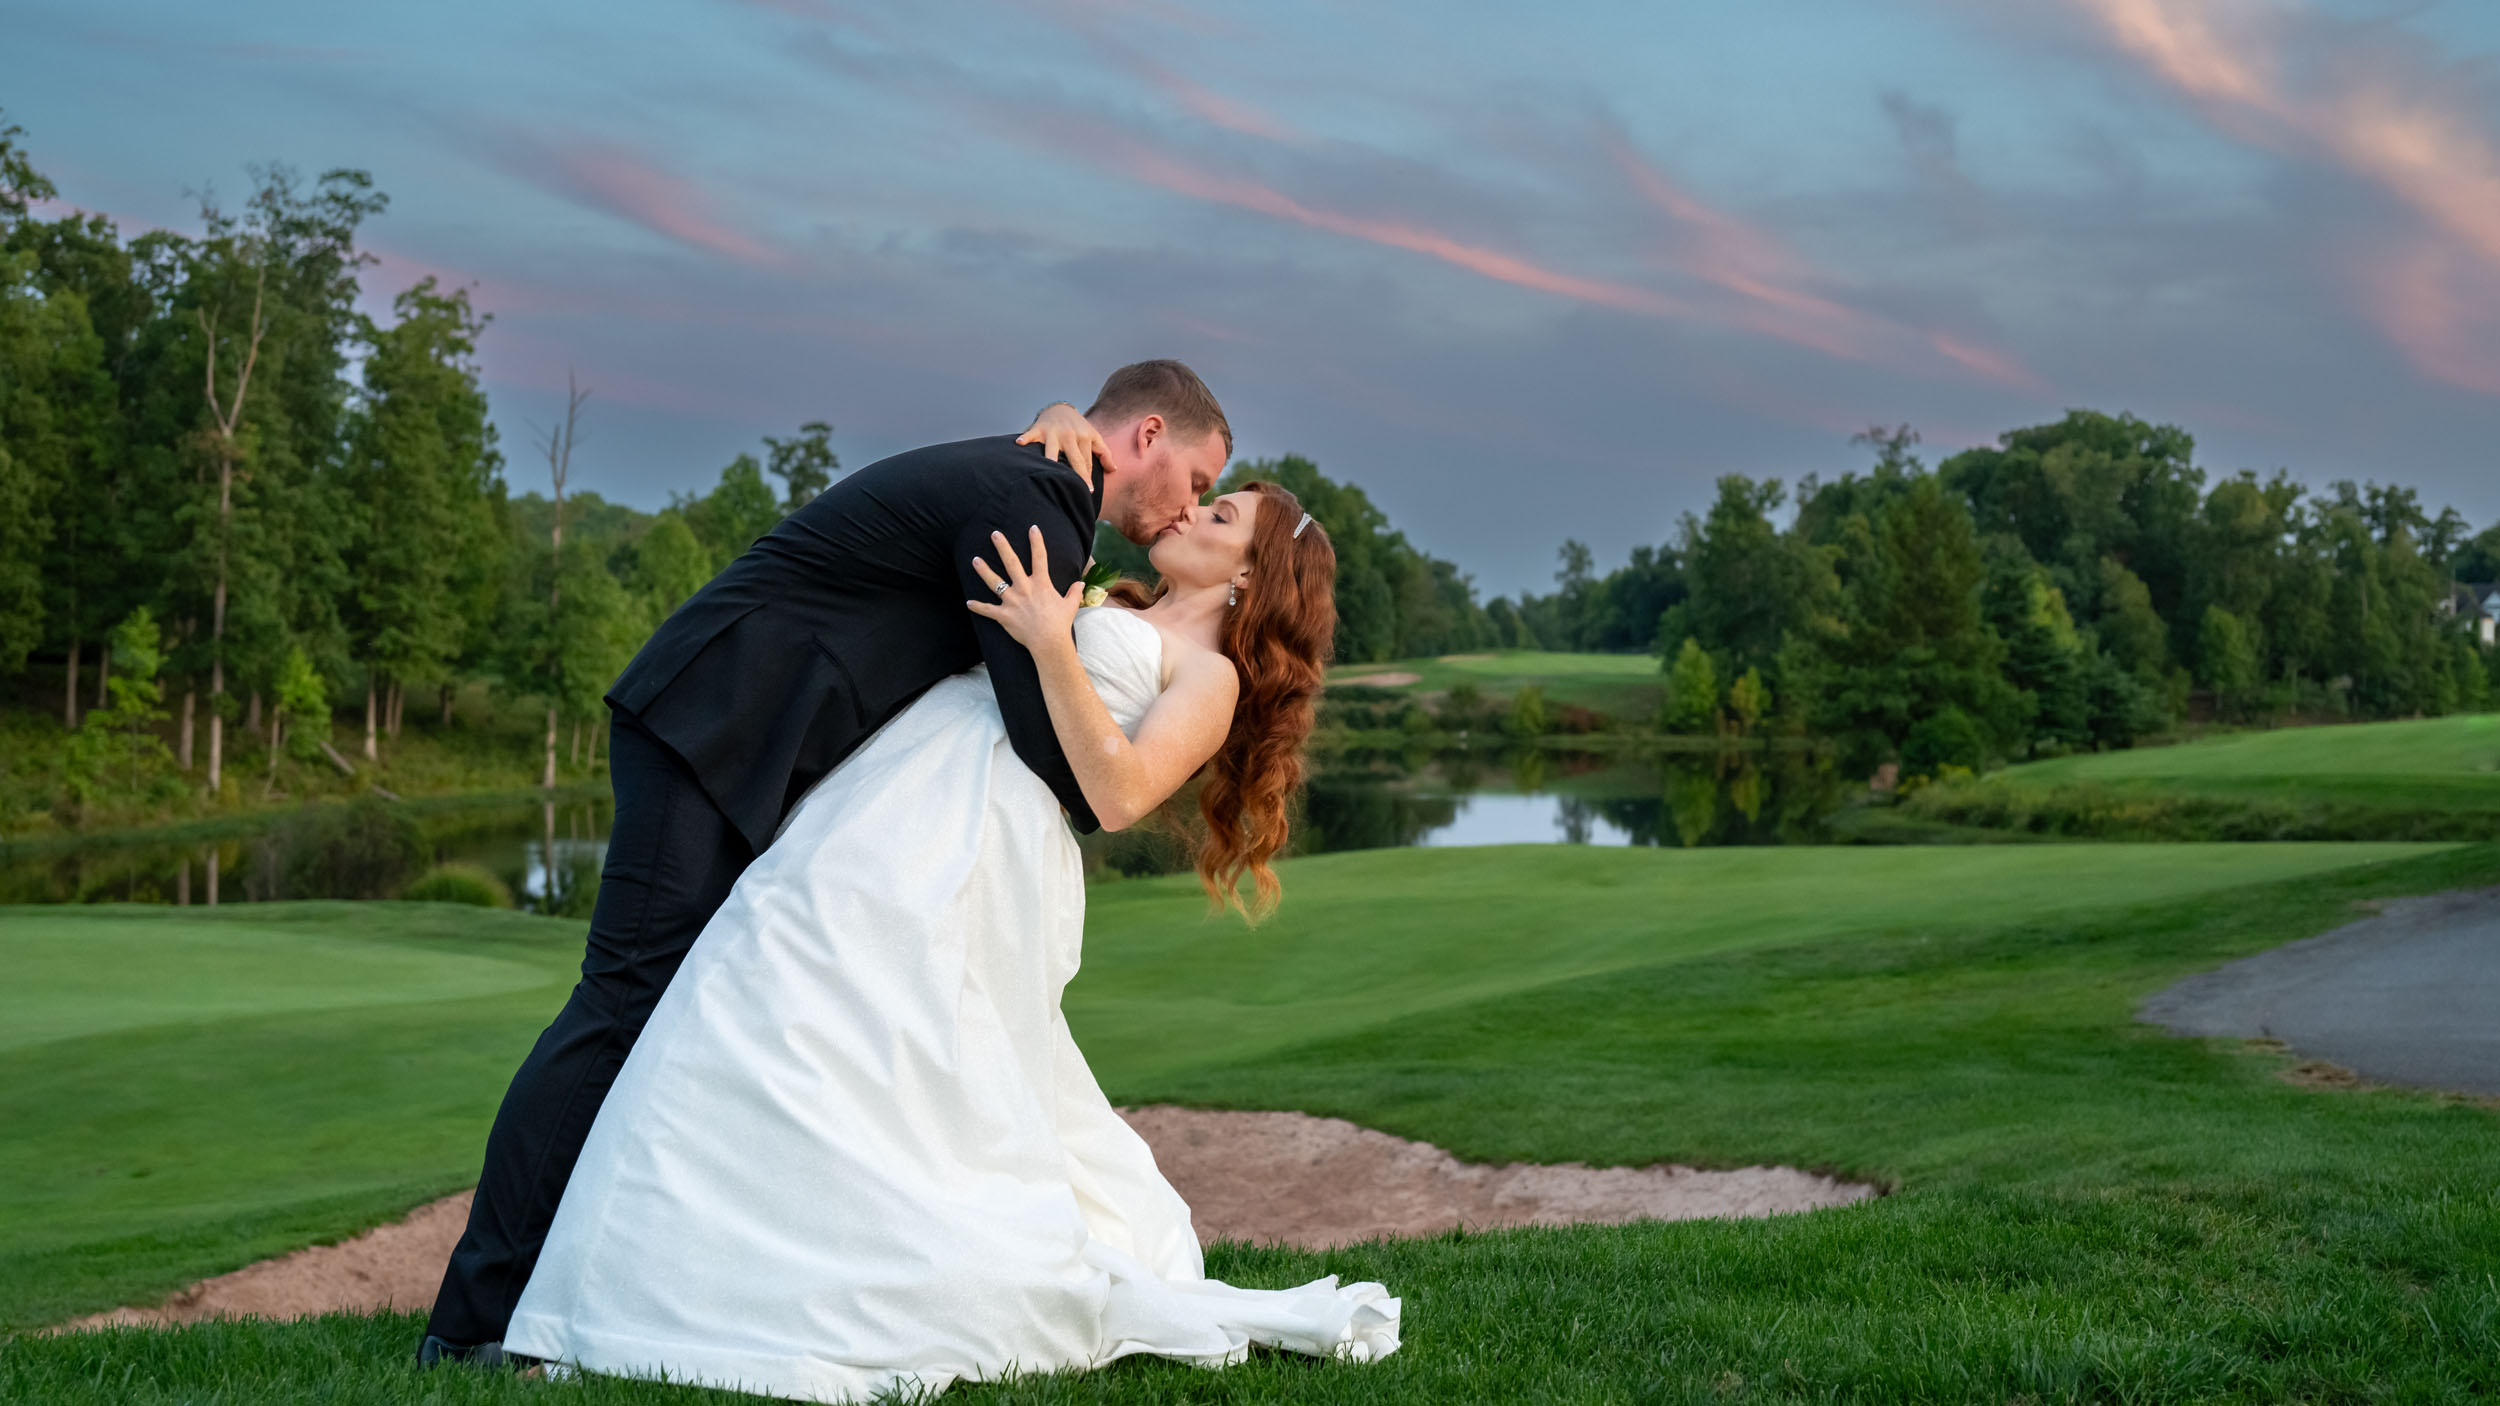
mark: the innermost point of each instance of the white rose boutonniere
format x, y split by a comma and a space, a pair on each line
1098, 581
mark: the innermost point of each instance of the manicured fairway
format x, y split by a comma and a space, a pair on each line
2085, 1211
1374, 935
2440, 763
1618, 685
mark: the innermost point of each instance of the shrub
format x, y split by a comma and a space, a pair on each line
458, 883
1946, 737
2097, 812
1692, 701
364, 849
1527, 713
1576, 720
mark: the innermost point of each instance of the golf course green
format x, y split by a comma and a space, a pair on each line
2083, 1209
1626, 686
2432, 762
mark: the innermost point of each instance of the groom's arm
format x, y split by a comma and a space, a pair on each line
1055, 502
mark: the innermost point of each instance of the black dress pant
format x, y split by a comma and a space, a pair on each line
672, 857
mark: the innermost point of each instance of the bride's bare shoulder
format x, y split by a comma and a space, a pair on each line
1186, 661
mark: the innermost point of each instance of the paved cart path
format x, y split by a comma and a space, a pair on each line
2408, 996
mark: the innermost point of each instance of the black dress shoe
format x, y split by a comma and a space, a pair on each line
434, 1352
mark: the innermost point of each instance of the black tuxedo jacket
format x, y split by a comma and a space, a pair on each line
838, 618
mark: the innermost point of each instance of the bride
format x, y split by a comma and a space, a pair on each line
856, 1149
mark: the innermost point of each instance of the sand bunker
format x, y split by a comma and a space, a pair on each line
1392, 679
1262, 1177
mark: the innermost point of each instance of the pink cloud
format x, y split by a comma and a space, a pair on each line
1770, 282
2445, 317
2391, 121
1173, 175
609, 178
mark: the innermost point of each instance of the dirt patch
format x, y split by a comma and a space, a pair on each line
1392, 679
1466, 658
1262, 1177
393, 1266
1314, 1182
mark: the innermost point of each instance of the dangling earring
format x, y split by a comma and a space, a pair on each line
1232, 593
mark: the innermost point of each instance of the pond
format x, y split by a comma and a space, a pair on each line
548, 855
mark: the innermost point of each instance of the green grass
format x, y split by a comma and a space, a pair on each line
2085, 1210
1622, 686
2435, 778
2451, 762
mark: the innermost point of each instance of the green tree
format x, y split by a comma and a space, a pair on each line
300, 720
1749, 701
804, 463
1747, 585
423, 464
669, 565
115, 749
1909, 639
2045, 657
1692, 701
2229, 658
739, 509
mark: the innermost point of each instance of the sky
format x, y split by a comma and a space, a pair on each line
1525, 273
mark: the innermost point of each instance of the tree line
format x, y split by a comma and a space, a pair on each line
2075, 586
266, 508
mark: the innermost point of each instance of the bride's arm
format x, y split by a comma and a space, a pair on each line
1060, 430
1123, 780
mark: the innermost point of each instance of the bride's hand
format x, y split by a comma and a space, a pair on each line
1031, 610
1064, 434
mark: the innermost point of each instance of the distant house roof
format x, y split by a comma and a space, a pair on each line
2475, 599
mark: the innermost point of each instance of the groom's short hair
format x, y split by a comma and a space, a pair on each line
1165, 388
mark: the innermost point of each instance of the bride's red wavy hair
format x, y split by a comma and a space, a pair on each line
1279, 638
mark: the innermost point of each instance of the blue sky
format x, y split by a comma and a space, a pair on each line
1524, 272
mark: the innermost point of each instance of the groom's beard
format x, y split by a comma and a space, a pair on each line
1141, 523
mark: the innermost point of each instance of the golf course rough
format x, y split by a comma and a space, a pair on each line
2085, 1208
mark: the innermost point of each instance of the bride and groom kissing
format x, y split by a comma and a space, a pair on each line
811, 1124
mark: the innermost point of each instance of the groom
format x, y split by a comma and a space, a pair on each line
756, 687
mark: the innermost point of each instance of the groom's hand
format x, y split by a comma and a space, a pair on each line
1061, 431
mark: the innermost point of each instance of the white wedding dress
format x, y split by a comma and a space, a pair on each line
856, 1150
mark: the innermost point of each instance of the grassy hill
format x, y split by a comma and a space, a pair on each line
2084, 1209
2430, 778
1624, 689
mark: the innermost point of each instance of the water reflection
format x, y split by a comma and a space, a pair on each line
549, 854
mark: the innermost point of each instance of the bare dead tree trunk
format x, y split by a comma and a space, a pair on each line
373, 748
190, 698
251, 713
447, 696
577, 744
227, 417
399, 704
559, 446
209, 853
547, 858
182, 884
103, 672
69, 695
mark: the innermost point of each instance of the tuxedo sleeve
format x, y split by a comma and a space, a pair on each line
1057, 507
